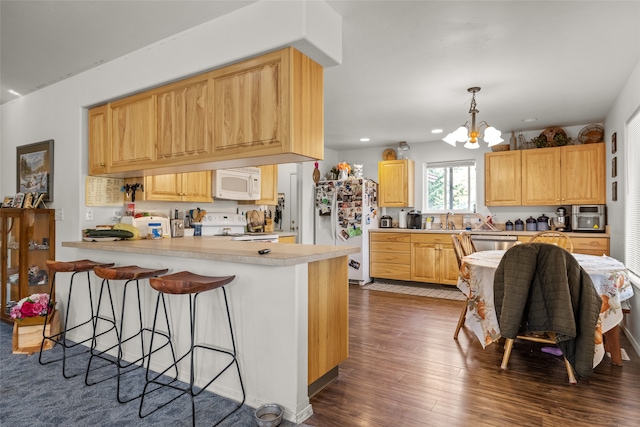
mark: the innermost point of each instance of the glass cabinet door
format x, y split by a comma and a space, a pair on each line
28, 241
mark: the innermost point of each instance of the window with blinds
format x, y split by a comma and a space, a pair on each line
632, 199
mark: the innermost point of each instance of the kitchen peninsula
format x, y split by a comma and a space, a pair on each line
289, 309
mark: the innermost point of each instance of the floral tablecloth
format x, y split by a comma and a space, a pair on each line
609, 276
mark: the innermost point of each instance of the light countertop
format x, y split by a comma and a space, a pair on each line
497, 233
222, 249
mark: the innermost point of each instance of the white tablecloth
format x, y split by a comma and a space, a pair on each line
609, 276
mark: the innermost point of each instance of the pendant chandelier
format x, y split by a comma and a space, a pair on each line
470, 133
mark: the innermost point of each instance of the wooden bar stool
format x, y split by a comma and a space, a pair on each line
74, 267
130, 273
187, 283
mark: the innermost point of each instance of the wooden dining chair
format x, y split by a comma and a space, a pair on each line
545, 338
462, 246
557, 238
468, 247
518, 299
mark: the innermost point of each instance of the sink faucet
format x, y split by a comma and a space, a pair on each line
449, 223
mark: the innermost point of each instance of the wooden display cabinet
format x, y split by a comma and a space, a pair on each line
28, 241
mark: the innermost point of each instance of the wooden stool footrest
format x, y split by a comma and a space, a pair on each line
129, 272
75, 266
186, 282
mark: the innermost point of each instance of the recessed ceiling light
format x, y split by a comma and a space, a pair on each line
436, 130
532, 119
13, 92
364, 139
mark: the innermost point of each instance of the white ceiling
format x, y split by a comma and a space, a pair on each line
406, 64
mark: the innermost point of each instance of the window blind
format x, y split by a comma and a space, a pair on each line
632, 199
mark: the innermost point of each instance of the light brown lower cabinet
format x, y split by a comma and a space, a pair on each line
433, 259
328, 316
583, 245
287, 239
416, 257
390, 256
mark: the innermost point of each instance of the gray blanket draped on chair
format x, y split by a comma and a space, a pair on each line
541, 287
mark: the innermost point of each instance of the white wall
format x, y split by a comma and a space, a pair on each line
626, 104
59, 111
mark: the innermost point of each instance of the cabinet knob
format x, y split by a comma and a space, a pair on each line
102, 164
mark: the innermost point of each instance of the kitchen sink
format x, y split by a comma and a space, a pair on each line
494, 241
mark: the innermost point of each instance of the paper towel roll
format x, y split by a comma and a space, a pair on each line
402, 219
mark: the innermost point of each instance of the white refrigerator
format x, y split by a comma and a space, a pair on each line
345, 211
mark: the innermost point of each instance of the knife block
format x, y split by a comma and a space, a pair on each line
268, 227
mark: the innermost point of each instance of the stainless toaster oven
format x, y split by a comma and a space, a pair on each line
589, 218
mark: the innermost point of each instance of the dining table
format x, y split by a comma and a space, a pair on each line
609, 276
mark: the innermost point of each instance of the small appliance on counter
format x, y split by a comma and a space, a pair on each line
386, 221
589, 218
562, 221
414, 220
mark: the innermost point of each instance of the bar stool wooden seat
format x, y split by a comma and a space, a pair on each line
130, 273
74, 267
187, 283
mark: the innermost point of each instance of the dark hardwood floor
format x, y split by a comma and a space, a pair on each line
405, 370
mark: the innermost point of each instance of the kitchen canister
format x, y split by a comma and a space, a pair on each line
543, 223
532, 224
519, 225
155, 230
197, 228
508, 225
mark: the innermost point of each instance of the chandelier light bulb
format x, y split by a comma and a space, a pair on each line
471, 145
469, 133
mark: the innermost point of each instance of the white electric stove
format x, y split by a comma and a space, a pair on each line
227, 224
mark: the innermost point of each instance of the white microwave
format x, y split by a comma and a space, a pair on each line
237, 184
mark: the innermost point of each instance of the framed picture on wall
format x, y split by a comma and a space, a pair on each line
34, 166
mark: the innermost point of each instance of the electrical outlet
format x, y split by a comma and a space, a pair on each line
89, 214
59, 214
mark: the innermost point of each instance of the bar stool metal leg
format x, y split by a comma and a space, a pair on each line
131, 274
74, 267
193, 285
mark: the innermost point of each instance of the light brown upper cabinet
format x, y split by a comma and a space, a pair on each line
396, 181
182, 119
502, 174
179, 187
132, 132
574, 174
268, 187
268, 105
98, 141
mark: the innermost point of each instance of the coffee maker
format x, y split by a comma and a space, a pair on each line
561, 222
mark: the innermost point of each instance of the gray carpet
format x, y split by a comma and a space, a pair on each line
35, 395
415, 288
